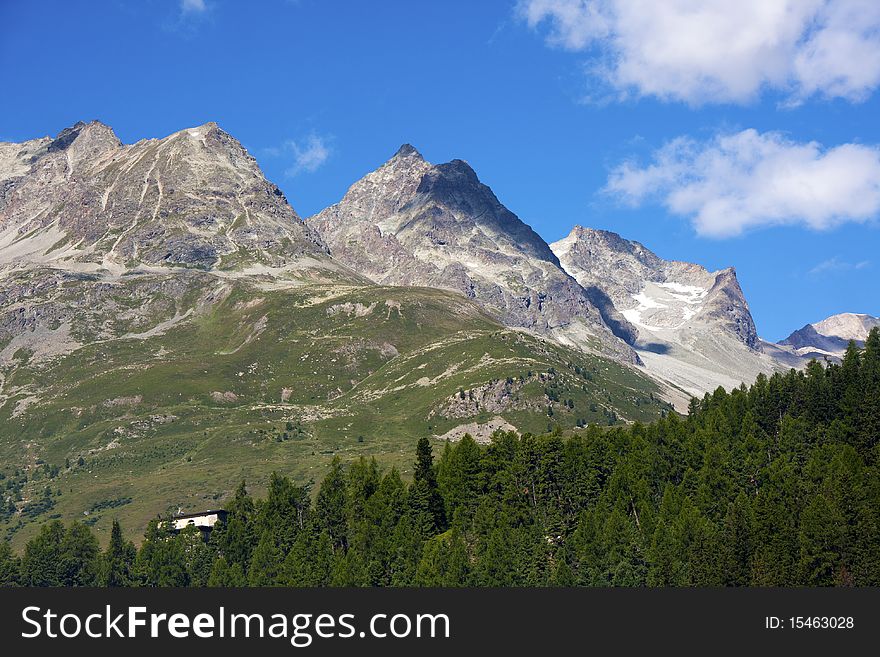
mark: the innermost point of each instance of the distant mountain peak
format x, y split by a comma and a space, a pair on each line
832, 335
407, 150
202, 130
93, 135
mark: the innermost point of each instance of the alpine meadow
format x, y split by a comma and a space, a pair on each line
772, 485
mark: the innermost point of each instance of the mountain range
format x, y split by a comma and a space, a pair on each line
170, 325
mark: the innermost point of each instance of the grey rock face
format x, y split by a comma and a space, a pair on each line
414, 223
102, 241
727, 305
831, 336
692, 328
195, 199
665, 295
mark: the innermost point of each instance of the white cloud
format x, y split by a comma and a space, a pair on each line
307, 154
745, 180
193, 6
720, 50
835, 264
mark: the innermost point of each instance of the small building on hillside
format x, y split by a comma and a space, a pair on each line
204, 520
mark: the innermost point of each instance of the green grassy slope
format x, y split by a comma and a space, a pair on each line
266, 378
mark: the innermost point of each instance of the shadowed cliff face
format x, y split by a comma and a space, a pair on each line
414, 223
194, 199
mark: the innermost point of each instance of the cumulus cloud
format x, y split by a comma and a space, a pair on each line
718, 50
835, 264
745, 180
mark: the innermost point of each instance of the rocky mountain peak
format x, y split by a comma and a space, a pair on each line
690, 324
210, 134
606, 244
458, 169
656, 294
727, 304
832, 335
194, 199
407, 150
81, 142
407, 164
93, 134
414, 223
849, 326
210, 141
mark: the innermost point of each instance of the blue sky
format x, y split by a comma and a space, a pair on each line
685, 132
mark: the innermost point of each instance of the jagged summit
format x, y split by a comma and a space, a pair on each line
456, 172
693, 326
407, 150
849, 326
623, 269
81, 141
194, 199
93, 133
411, 222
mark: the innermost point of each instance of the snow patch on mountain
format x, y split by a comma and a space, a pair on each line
695, 331
675, 305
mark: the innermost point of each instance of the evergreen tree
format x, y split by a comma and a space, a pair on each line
776, 513
563, 575
425, 478
460, 477
363, 480
444, 562
226, 575
820, 538
868, 413
266, 562
199, 555
331, 505
236, 539
373, 537
9, 565
79, 556
118, 560
310, 561
623, 562
161, 561
737, 542
497, 558
42, 564
349, 570
284, 512
407, 542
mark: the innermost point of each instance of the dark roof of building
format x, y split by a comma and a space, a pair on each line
209, 512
